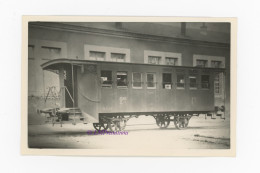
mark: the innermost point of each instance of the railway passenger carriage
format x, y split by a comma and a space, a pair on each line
108, 94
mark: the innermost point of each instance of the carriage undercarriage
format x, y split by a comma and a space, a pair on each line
117, 121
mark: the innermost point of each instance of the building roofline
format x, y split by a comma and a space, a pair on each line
126, 34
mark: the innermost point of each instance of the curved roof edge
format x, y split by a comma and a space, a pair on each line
56, 63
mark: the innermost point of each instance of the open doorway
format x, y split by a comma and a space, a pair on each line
70, 78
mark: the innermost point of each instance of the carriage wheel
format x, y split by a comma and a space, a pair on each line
181, 122
163, 121
100, 126
116, 126
122, 124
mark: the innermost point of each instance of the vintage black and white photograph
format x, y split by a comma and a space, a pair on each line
129, 86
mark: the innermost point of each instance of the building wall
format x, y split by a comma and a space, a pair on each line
76, 41
73, 45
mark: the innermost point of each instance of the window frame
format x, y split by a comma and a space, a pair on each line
163, 83
96, 58
116, 59
214, 61
50, 49
204, 60
122, 87
106, 85
220, 84
154, 81
135, 87
196, 83
152, 56
217, 85
175, 61
201, 83
184, 84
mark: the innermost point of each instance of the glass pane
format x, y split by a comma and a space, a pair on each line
216, 64
154, 59
100, 56
167, 80
171, 61
205, 81
137, 80
180, 81
150, 80
202, 63
51, 52
193, 82
122, 79
119, 57
106, 78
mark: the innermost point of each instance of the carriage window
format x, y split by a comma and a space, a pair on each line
99, 56
171, 61
180, 81
137, 80
167, 81
118, 57
154, 59
193, 82
205, 81
121, 79
150, 79
106, 79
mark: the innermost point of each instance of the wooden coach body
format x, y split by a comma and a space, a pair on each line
98, 87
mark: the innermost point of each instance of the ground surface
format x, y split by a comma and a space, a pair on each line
142, 133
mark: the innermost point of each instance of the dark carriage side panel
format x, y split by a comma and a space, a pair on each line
182, 96
88, 92
166, 90
97, 96
151, 84
202, 98
137, 89
137, 100
122, 88
106, 76
116, 96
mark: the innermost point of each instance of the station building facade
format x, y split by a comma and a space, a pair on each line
176, 44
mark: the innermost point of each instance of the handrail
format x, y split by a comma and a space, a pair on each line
66, 89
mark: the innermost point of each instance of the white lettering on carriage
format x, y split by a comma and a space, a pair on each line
122, 100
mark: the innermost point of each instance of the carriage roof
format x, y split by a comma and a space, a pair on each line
57, 63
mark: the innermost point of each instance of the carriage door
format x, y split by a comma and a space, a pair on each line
122, 91
150, 93
107, 91
182, 96
166, 94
